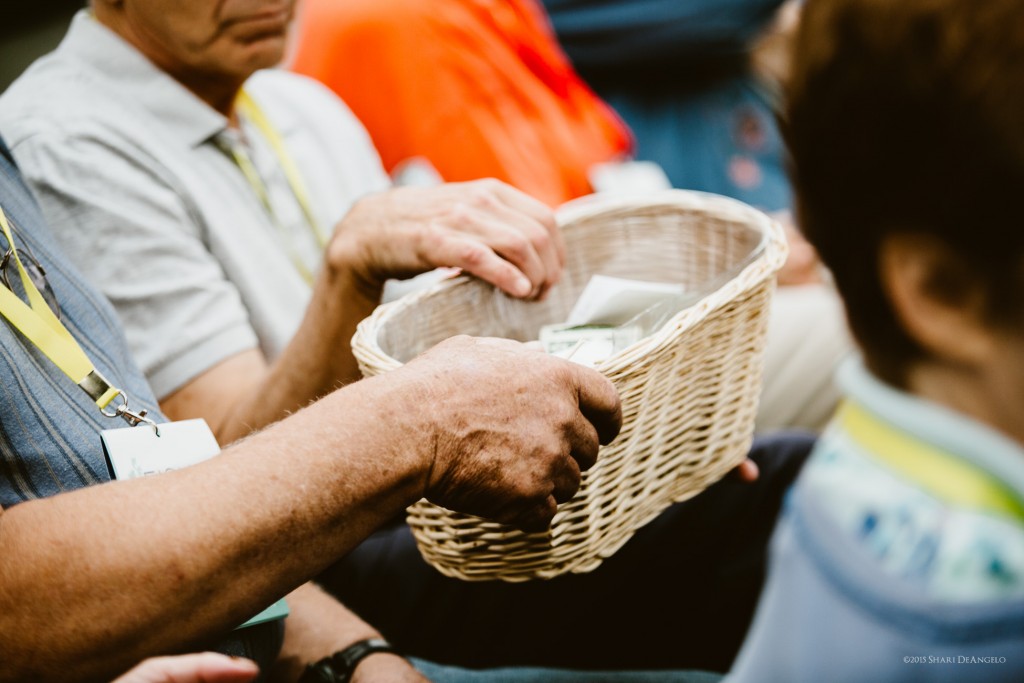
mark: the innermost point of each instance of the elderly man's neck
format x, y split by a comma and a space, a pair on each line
219, 90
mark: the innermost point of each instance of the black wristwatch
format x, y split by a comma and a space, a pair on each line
339, 667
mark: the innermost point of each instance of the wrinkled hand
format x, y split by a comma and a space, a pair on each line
511, 428
205, 667
484, 227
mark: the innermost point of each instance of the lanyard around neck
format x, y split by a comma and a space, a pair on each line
252, 112
45, 331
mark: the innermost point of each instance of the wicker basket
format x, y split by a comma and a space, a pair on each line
689, 391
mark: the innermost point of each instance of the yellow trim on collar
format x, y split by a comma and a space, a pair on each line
938, 472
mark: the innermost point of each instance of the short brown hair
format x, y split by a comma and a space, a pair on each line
908, 116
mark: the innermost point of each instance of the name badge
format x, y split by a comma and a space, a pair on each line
138, 452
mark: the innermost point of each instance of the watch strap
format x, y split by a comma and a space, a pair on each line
339, 667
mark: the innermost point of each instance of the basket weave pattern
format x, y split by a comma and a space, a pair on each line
689, 391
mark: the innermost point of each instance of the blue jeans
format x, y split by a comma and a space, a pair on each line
438, 673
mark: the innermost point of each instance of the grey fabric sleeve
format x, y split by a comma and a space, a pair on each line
125, 226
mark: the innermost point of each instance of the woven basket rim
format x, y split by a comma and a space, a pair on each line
774, 249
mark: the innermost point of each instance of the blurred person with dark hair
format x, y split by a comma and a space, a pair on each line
900, 555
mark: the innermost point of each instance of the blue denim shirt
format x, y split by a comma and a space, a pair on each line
49, 428
676, 72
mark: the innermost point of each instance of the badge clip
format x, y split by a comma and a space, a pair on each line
130, 416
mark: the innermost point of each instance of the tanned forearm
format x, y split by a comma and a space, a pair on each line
485, 228
128, 563
318, 359
245, 393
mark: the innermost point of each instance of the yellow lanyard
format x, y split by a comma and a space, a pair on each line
45, 331
248, 108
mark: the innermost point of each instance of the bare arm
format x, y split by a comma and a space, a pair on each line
486, 228
106, 576
244, 393
128, 563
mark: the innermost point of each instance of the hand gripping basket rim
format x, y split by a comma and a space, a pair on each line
753, 276
367, 349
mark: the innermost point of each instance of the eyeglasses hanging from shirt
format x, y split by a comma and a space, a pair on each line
38, 321
253, 114
33, 268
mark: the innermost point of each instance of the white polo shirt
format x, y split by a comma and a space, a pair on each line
129, 168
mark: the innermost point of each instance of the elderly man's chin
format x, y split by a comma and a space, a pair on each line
258, 53
250, 23
263, 38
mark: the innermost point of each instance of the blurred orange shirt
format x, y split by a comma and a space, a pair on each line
480, 88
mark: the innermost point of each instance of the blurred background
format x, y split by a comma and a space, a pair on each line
28, 30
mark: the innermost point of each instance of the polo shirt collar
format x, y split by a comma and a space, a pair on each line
185, 116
